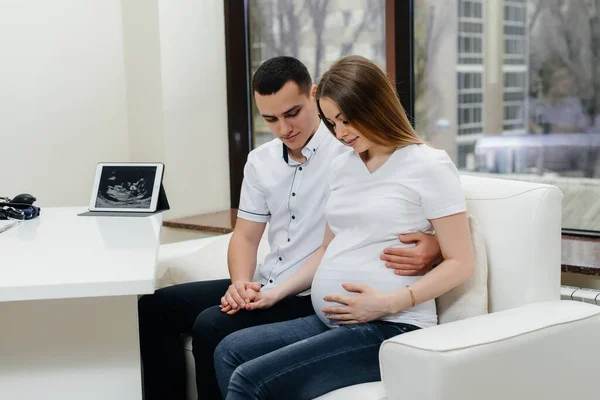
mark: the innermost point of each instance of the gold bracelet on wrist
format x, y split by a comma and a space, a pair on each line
412, 295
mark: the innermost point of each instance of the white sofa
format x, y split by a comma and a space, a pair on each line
530, 346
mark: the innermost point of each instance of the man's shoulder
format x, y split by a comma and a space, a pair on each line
266, 152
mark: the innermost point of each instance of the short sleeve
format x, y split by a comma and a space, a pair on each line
253, 204
440, 189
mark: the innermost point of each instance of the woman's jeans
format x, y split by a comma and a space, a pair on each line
300, 359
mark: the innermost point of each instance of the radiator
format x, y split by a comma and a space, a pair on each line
591, 296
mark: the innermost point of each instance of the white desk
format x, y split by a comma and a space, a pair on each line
68, 305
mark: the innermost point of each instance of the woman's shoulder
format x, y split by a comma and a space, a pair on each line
422, 161
424, 154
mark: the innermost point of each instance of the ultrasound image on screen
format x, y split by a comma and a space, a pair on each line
125, 187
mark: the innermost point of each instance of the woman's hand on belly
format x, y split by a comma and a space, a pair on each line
368, 305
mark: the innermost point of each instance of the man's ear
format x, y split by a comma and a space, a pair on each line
313, 91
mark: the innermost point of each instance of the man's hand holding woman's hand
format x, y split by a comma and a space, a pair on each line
238, 295
248, 296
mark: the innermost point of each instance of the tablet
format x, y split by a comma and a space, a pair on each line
132, 187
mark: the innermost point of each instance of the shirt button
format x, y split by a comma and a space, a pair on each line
293, 194
289, 240
293, 217
300, 168
280, 258
270, 280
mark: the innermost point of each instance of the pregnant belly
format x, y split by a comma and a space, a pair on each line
328, 282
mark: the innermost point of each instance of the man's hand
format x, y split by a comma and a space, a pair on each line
368, 305
410, 261
230, 311
238, 295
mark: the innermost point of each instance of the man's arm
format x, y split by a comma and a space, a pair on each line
241, 259
416, 260
298, 282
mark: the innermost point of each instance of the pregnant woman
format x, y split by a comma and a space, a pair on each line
391, 181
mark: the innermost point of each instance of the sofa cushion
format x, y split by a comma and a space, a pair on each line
471, 298
207, 262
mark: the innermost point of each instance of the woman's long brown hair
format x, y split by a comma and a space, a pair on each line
368, 100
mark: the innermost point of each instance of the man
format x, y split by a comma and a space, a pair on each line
285, 184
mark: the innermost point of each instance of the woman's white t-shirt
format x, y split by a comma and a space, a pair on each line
367, 211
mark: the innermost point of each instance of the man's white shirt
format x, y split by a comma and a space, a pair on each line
291, 197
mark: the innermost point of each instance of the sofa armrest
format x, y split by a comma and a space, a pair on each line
541, 350
168, 252
192, 260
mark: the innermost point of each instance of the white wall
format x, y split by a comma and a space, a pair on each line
62, 97
192, 43
84, 81
141, 44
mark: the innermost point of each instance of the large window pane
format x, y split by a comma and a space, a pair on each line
317, 32
511, 89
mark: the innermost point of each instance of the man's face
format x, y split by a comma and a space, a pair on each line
290, 114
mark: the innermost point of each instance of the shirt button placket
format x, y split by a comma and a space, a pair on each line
293, 199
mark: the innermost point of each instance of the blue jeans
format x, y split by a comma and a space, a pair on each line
300, 359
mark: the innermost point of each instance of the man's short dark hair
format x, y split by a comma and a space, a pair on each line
270, 77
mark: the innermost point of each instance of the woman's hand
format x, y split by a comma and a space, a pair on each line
368, 305
266, 299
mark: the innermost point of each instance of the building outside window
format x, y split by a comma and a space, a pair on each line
511, 89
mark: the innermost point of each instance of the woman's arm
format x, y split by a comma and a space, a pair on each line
458, 266
298, 282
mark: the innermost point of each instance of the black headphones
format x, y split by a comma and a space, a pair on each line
20, 207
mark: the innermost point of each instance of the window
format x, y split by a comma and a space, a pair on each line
525, 99
317, 32
509, 88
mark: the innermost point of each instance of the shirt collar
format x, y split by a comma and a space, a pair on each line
311, 147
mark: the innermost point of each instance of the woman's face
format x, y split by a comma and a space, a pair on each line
343, 129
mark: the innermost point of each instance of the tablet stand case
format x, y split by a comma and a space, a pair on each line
162, 204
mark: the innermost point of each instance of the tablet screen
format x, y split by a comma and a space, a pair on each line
126, 187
